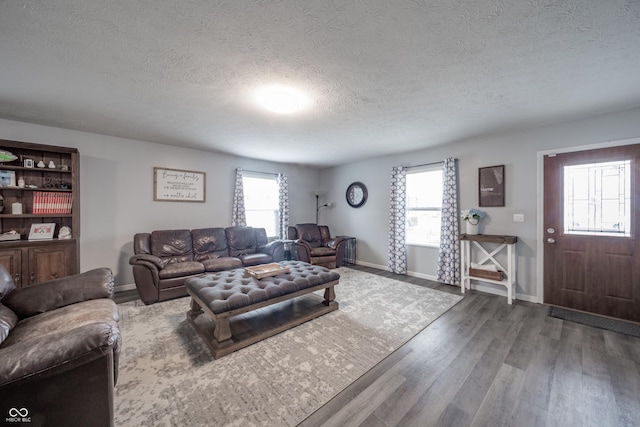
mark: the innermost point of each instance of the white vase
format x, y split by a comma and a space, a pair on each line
472, 228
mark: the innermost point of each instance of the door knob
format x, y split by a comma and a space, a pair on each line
551, 230
551, 240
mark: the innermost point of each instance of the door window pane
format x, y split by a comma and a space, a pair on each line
597, 199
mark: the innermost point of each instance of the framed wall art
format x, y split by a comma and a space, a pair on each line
42, 231
491, 186
178, 185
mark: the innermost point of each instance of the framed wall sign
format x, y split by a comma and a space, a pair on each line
178, 185
491, 186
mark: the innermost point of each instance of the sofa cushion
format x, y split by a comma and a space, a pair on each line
8, 320
323, 251
241, 240
172, 245
309, 233
255, 259
64, 320
222, 263
209, 243
6, 283
178, 269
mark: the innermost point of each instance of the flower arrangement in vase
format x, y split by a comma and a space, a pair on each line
473, 217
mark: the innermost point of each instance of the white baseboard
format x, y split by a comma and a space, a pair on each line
124, 288
502, 292
476, 286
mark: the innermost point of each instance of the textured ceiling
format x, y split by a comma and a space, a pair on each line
385, 76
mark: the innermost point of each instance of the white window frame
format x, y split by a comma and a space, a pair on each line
430, 208
247, 201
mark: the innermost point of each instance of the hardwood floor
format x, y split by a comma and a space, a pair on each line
487, 363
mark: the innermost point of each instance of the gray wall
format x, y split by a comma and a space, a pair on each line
116, 190
517, 151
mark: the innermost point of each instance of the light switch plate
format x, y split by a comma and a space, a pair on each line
518, 217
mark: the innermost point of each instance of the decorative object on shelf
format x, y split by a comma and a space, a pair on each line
64, 233
21, 182
177, 185
42, 231
63, 167
28, 163
40, 164
1, 203
9, 235
472, 217
491, 186
356, 194
52, 165
16, 208
6, 156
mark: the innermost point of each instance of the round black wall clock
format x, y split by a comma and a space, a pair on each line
356, 194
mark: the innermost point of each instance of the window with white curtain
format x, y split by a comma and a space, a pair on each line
261, 202
424, 206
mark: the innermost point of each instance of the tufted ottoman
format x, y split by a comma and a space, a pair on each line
231, 310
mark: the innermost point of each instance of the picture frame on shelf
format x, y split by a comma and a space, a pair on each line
7, 178
42, 231
28, 163
491, 186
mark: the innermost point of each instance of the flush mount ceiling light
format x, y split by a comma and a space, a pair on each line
282, 99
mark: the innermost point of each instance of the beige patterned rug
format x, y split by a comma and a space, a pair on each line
168, 377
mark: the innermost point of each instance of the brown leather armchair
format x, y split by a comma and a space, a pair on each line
59, 346
316, 246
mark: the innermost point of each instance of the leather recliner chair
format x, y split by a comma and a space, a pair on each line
59, 347
316, 246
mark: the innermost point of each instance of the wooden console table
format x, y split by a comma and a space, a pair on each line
488, 258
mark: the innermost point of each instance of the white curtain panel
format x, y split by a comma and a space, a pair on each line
283, 204
238, 214
397, 221
449, 255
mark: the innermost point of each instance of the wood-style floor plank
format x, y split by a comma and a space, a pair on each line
487, 363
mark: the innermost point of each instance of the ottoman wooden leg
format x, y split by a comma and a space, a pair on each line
195, 309
329, 295
222, 330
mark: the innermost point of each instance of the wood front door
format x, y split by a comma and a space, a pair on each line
591, 236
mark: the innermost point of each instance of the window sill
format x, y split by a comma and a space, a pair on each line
424, 245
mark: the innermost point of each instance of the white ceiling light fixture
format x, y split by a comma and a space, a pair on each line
282, 99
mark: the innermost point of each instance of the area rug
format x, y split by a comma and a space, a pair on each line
620, 326
169, 378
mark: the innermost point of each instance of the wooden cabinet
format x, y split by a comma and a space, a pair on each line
43, 181
36, 262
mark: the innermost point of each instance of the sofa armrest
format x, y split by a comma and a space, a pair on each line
275, 249
146, 259
57, 350
52, 294
334, 242
304, 251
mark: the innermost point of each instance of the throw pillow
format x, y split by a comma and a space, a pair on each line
8, 321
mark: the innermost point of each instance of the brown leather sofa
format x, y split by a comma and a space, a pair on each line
164, 259
316, 246
59, 350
